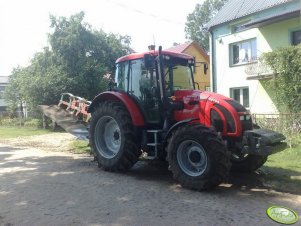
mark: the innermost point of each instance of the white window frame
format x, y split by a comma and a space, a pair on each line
241, 95
245, 56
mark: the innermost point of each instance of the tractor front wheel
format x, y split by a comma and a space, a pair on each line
112, 137
197, 157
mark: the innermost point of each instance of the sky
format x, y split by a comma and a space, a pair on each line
24, 24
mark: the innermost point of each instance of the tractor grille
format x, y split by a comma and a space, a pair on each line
230, 121
246, 120
216, 120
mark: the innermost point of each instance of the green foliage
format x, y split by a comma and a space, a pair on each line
33, 123
283, 170
201, 15
21, 122
285, 87
79, 147
10, 122
76, 62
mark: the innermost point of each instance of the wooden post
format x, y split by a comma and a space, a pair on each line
44, 122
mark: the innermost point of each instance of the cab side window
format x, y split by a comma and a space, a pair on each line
121, 74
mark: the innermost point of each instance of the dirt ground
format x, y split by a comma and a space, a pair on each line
41, 185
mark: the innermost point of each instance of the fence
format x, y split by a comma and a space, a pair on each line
287, 123
20, 114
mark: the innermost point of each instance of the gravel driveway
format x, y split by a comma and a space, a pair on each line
39, 185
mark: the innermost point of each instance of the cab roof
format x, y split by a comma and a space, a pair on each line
135, 56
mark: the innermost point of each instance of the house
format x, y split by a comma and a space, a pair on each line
201, 57
3, 84
240, 32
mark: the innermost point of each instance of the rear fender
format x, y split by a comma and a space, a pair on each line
130, 105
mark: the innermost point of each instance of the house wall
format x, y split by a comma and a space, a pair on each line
226, 76
199, 76
235, 77
278, 34
3, 105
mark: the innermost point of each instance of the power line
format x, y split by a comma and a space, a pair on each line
152, 15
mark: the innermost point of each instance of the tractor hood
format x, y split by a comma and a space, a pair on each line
191, 96
224, 113
187, 96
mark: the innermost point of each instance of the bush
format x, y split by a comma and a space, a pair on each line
17, 122
285, 87
11, 122
33, 123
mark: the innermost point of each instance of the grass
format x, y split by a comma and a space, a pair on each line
289, 159
283, 170
79, 147
13, 132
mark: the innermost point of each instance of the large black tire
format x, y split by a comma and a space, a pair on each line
198, 159
112, 137
248, 163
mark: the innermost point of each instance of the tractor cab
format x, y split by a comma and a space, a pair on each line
152, 78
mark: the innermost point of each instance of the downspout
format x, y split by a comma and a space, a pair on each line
212, 69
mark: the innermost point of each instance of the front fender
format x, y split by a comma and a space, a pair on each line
131, 106
174, 127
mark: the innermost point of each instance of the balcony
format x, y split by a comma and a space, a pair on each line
258, 70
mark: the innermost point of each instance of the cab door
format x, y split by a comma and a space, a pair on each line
143, 88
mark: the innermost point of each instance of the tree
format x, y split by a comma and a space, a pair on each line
197, 20
285, 86
85, 54
76, 61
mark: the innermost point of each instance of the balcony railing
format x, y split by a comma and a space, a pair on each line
258, 70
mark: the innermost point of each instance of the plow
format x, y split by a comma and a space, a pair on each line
154, 108
70, 114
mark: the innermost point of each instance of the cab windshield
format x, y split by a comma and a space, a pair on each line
178, 75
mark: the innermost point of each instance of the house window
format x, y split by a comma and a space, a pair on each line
296, 37
207, 88
241, 95
243, 52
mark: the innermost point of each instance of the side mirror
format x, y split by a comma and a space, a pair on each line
205, 68
149, 61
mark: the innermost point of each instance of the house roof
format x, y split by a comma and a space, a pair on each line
179, 48
235, 9
274, 17
4, 79
182, 47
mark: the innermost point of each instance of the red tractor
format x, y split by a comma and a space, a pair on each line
153, 107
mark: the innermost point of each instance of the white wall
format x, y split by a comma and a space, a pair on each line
234, 76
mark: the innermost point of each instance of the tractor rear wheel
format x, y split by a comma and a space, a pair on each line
247, 163
112, 137
197, 157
